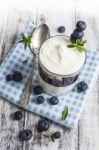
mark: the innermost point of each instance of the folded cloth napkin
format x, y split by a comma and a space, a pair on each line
13, 91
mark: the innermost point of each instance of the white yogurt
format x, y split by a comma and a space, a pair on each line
59, 63
58, 58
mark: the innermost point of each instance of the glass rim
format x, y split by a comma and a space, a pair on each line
57, 73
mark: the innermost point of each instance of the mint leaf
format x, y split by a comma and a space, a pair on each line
46, 136
30, 38
79, 45
25, 45
78, 41
52, 138
21, 41
81, 49
83, 42
71, 46
25, 61
26, 40
65, 113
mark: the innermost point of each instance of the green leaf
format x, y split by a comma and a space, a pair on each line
30, 38
71, 46
78, 41
46, 136
25, 61
26, 40
25, 45
21, 41
52, 138
81, 48
65, 113
79, 45
23, 37
83, 42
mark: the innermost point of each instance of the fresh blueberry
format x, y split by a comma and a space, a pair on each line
38, 89
40, 99
81, 25
43, 125
54, 100
61, 29
18, 115
57, 135
82, 86
9, 77
77, 34
25, 135
73, 39
17, 76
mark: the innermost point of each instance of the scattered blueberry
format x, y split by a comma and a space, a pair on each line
25, 135
9, 77
17, 76
82, 86
38, 89
54, 100
61, 29
57, 135
40, 99
81, 25
73, 39
18, 115
43, 125
77, 34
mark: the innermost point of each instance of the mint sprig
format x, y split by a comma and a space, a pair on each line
65, 114
25, 61
50, 137
26, 40
79, 45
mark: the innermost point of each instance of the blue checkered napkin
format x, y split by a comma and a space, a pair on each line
14, 62
75, 101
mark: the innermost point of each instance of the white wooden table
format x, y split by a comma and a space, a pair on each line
86, 136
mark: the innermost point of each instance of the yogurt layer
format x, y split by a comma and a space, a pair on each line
57, 58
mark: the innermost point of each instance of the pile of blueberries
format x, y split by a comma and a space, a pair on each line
78, 32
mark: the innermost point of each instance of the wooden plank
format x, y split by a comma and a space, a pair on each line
53, 18
89, 123
9, 129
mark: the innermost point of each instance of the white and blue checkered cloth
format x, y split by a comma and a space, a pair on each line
13, 91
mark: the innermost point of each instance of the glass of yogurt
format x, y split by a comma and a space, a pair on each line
59, 66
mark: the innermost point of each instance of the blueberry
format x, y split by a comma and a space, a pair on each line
57, 135
81, 25
54, 100
40, 99
43, 125
61, 29
18, 115
82, 86
77, 34
25, 135
9, 77
38, 89
17, 76
73, 39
